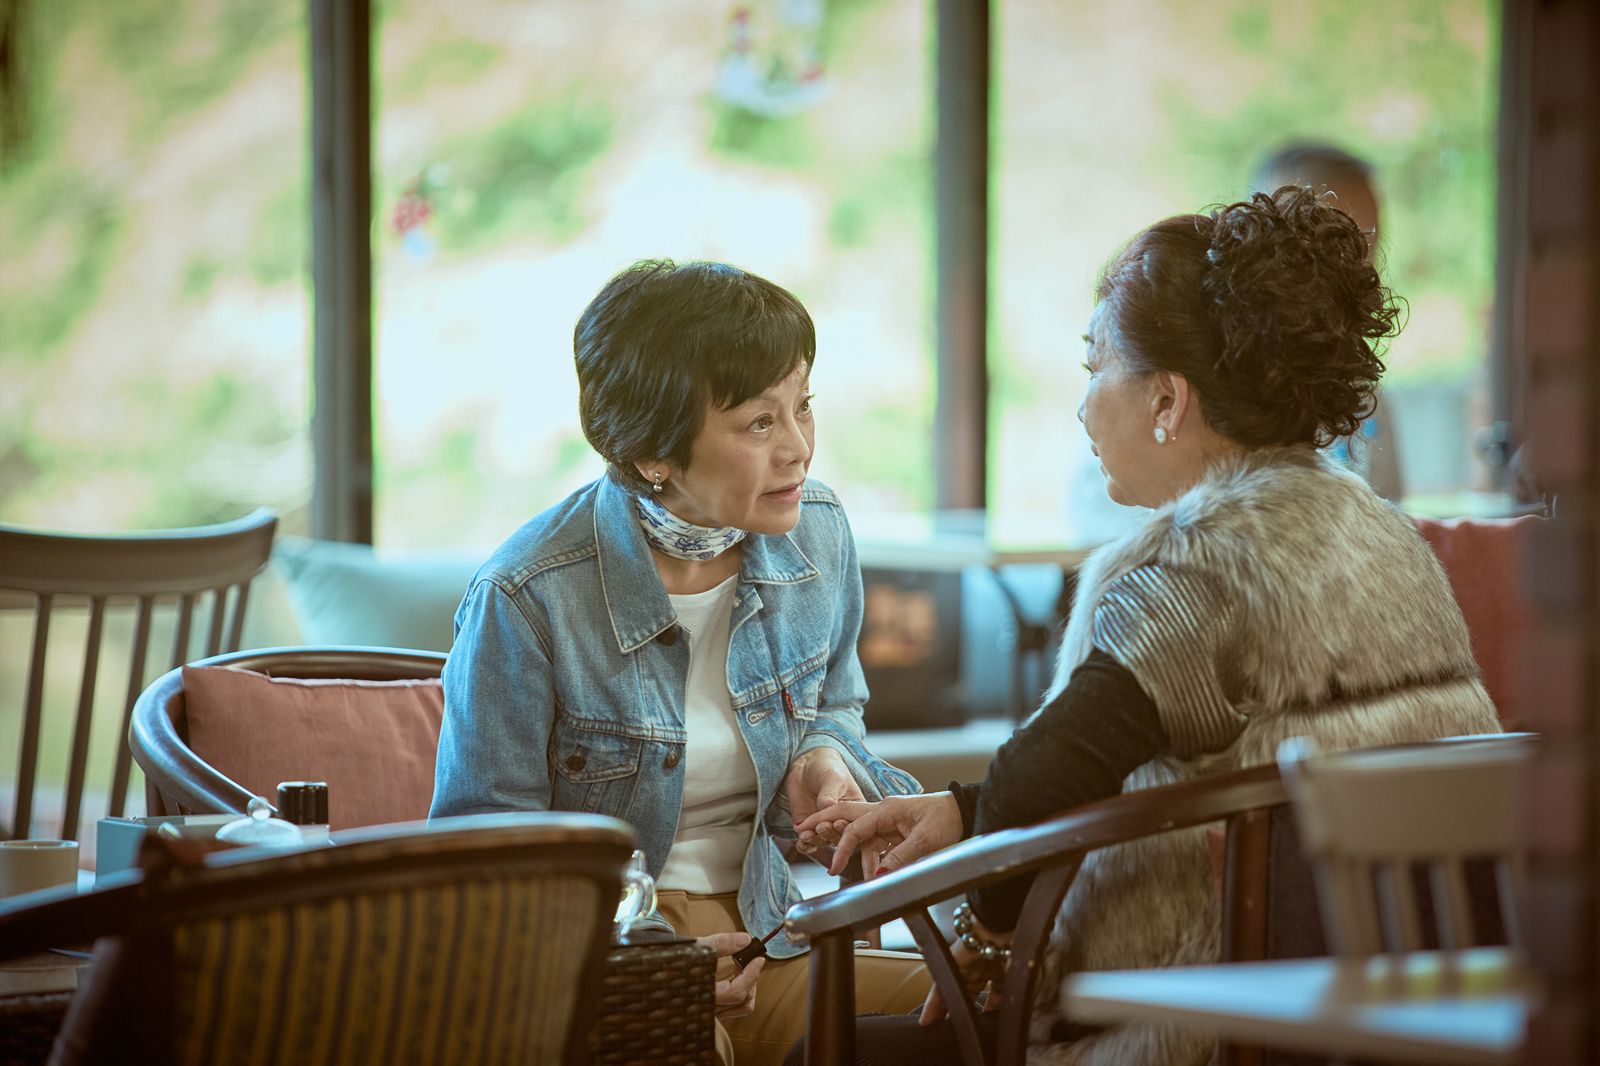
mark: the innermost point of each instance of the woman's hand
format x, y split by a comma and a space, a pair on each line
817, 779
736, 996
891, 834
975, 974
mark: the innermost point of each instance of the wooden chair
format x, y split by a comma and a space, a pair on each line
148, 571
1053, 851
1482, 557
1371, 821
474, 939
178, 781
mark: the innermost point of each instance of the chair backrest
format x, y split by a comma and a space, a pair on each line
1482, 557
149, 572
476, 939
1372, 820
180, 781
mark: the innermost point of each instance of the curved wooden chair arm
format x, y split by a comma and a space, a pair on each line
183, 782
1051, 850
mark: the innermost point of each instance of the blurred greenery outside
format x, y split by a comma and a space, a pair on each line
526, 149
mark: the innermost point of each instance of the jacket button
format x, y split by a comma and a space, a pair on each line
668, 636
576, 761
672, 758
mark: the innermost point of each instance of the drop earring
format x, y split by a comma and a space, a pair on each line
656, 488
1161, 434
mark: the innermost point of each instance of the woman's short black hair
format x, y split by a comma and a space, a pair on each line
662, 342
1270, 307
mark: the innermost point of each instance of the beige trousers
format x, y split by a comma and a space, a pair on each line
887, 982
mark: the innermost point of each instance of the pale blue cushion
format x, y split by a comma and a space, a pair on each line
350, 594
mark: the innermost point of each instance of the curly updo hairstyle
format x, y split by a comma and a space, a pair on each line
1271, 308
662, 341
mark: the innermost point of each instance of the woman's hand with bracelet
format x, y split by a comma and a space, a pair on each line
980, 956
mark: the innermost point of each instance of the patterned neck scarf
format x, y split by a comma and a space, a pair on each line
671, 535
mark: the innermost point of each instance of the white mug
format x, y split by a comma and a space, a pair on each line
31, 865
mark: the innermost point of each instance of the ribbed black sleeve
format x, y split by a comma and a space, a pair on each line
1078, 749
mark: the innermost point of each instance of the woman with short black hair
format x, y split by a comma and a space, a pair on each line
675, 644
1272, 594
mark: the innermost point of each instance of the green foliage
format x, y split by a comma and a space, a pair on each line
198, 275
523, 175
451, 62
780, 143
889, 449
572, 453
880, 197
173, 67
39, 316
280, 237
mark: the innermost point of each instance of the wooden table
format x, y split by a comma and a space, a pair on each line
1467, 1007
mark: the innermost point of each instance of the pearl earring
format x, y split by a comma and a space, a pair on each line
1161, 434
657, 486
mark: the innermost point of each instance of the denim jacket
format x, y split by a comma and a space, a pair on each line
565, 688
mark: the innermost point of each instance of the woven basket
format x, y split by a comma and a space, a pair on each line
656, 1006
28, 1025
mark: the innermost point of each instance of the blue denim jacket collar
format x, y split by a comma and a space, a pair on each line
635, 599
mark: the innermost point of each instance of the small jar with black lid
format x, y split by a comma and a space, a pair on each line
305, 804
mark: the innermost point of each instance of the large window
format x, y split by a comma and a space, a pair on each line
527, 151
154, 231
153, 209
1112, 116
154, 309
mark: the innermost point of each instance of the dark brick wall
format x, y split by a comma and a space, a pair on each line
1556, 349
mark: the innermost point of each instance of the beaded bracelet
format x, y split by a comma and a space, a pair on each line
966, 932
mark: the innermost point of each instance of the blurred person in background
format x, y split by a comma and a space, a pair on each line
1373, 451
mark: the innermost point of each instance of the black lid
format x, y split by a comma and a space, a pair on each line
303, 802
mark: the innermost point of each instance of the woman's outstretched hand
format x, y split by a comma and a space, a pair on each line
890, 834
975, 974
817, 779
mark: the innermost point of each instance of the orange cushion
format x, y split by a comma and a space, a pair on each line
373, 742
1483, 559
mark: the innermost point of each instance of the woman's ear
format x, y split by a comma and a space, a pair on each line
1170, 403
649, 468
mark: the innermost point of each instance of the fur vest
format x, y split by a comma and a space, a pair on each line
1322, 613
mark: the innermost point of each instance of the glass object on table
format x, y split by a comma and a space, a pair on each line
638, 895
258, 828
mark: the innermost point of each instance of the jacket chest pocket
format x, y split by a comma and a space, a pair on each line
594, 771
796, 702
801, 697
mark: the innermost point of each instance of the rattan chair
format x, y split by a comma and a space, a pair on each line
474, 939
179, 781
148, 573
1245, 801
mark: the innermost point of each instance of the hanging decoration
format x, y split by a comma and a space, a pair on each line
418, 203
772, 63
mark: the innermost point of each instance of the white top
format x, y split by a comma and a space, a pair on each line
719, 778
